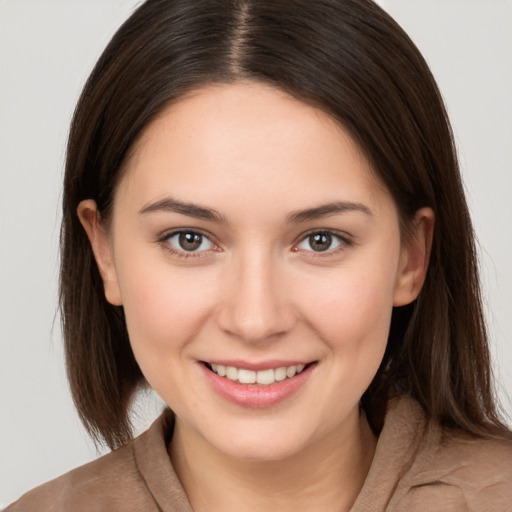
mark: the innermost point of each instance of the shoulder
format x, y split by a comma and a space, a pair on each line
456, 471
104, 484
136, 477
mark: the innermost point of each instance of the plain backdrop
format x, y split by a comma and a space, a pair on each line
47, 49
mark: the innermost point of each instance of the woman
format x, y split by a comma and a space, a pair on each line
264, 222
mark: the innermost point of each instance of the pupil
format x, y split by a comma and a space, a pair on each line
320, 241
190, 241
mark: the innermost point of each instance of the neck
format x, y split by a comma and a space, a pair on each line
325, 476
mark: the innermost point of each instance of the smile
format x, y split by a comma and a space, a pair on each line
262, 377
262, 385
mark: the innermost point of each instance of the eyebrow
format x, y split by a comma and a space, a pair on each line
191, 210
327, 209
200, 212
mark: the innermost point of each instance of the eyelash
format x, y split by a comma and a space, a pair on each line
343, 240
182, 253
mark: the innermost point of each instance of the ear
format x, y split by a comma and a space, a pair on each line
101, 247
414, 258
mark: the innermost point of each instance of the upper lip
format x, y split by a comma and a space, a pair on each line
260, 365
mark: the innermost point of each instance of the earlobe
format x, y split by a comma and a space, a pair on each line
90, 219
414, 258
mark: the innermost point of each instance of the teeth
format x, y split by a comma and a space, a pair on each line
280, 374
232, 373
265, 377
246, 377
291, 371
262, 377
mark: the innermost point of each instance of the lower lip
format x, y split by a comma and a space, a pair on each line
253, 395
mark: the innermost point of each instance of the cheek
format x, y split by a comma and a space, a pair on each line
164, 307
351, 307
352, 319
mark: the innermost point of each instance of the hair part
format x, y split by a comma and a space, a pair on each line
346, 57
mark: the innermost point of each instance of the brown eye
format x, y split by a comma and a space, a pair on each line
190, 241
320, 242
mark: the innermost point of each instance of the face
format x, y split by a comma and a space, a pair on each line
257, 259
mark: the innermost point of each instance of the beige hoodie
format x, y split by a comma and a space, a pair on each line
441, 471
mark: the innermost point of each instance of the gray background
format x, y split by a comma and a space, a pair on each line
47, 48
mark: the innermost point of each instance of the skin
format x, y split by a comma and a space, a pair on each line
257, 290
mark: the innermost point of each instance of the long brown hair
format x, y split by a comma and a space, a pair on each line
346, 57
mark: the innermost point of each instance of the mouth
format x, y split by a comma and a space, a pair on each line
264, 377
257, 386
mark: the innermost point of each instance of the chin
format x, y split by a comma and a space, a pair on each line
261, 446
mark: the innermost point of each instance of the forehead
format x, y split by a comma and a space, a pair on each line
245, 139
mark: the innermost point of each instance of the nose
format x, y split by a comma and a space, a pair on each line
256, 307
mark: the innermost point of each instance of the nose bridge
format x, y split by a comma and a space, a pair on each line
256, 307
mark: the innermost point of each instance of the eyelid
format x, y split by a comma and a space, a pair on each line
164, 241
344, 238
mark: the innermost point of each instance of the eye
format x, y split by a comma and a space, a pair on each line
188, 242
322, 241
